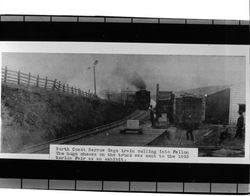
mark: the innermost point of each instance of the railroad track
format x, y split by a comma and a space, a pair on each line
86, 133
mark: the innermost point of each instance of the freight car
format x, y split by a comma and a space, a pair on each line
164, 105
188, 109
142, 99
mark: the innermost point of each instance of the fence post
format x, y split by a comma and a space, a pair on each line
5, 74
37, 81
46, 82
67, 88
59, 86
29, 79
18, 77
63, 87
54, 85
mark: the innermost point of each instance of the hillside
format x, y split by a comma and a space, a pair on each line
203, 90
34, 115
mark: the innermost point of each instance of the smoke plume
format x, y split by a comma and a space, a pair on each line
131, 77
136, 80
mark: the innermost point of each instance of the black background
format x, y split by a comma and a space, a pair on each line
115, 32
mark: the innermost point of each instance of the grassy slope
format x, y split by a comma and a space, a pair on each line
31, 116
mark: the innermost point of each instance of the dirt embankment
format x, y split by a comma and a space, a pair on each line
31, 116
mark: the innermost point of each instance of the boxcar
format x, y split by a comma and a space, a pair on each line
188, 110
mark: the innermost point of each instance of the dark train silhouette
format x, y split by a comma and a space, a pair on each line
142, 99
139, 99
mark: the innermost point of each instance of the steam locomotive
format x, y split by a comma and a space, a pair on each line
142, 99
139, 99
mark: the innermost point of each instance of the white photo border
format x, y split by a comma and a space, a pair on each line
144, 49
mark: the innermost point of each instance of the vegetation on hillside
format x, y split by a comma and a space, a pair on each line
31, 116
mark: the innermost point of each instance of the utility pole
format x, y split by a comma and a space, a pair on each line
95, 63
94, 80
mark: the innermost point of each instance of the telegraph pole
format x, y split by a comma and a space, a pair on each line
95, 63
94, 80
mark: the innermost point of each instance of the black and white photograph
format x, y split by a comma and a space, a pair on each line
124, 97
146, 100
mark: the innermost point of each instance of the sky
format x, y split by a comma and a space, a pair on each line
116, 71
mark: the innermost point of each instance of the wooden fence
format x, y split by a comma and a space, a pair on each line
24, 79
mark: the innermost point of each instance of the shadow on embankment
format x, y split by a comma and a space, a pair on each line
33, 115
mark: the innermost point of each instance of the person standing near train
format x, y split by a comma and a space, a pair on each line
240, 126
152, 115
189, 127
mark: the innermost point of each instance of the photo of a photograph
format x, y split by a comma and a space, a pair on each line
186, 101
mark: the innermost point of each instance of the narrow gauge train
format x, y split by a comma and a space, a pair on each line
139, 99
142, 99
